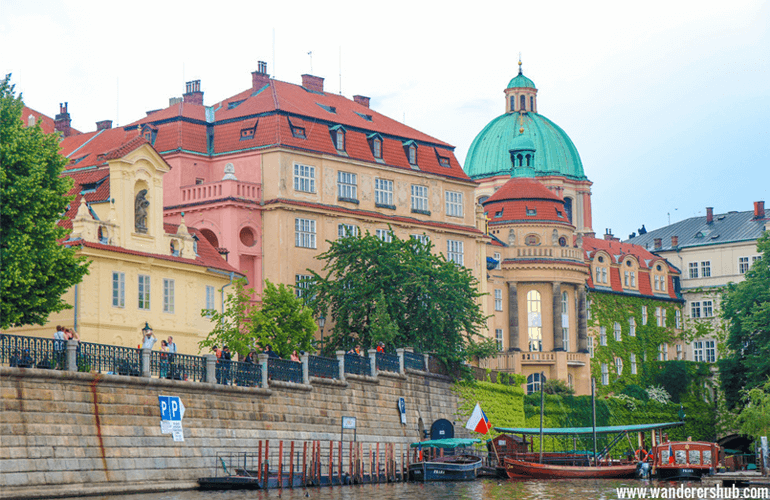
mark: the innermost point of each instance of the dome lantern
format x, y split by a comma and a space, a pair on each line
521, 94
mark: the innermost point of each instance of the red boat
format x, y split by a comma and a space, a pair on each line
691, 459
517, 469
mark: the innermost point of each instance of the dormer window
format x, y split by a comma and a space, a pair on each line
410, 148
338, 137
629, 274
149, 133
297, 131
442, 160
531, 212
375, 143
499, 214
248, 133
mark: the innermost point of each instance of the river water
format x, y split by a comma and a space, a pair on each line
583, 489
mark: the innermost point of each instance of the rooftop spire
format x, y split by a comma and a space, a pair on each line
519, 62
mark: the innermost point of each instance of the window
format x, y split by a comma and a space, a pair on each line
345, 230
304, 233
633, 364
743, 264
605, 374
498, 300
168, 296
347, 185
657, 282
420, 199
678, 316
422, 238
454, 204
377, 148
679, 352
339, 140
632, 326
565, 320
708, 309
601, 275
626, 278
210, 297
693, 270
619, 365
144, 292
304, 178
658, 317
665, 323
644, 315
602, 335
534, 321
499, 338
633, 279
705, 269
590, 346
663, 352
533, 383
499, 260
118, 289
302, 283
695, 309
412, 154
616, 329
711, 351
755, 259
455, 251
697, 350
383, 193
385, 235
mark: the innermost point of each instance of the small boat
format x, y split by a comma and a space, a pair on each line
519, 469
455, 466
690, 459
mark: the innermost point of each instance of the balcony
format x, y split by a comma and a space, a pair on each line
210, 191
513, 361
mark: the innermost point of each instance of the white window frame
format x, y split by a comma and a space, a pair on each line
304, 233
346, 230
422, 238
633, 364
602, 335
168, 295
385, 235
118, 289
347, 185
498, 299
644, 315
454, 203
695, 309
499, 259
419, 197
659, 316
605, 374
454, 251
678, 317
209, 298
377, 148
693, 266
707, 308
710, 351
304, 178
339, 140
698, 351
616, 330
705, 269
590, 346
383, 192
619, 365
499, 338
743, 265
679, 352
301, 284
143, 292
632, 326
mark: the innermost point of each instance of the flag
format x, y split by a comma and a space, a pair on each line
478, 421
670, 454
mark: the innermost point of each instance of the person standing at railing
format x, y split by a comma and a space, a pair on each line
226, 362
294, 356
171, 355
381, 347
148, 339
163, 359
71, 334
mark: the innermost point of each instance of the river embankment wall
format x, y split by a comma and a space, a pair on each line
75, 434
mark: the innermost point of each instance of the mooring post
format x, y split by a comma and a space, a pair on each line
341, 465
266, 476
280, 465
291, 466
304, 464
259, 461
331, 463
377, 460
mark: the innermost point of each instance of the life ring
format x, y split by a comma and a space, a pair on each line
641, 455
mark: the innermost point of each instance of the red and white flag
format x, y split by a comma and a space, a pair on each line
478, 421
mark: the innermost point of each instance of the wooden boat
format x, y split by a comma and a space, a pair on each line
692, 459
448, 468
518, 469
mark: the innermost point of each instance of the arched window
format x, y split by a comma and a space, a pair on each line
568, 208
513, 103
520, 157
529, 157
523, 102
532, 103
534, 321
533, 383
565, 320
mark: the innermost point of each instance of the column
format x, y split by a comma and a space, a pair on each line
400, 353
558, 339
305, 358
263, 363
211, 368
373, 362
145, 362
341, 363
513, 317
582, 345
72, 355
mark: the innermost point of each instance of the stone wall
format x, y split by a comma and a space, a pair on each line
72, 434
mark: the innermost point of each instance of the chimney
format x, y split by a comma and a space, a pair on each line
104, 125
193, 94
173, 101
362, 100
314, 83
759, 209
63, 123
607, 235
674, 241
658, 242
709, 215
260, 78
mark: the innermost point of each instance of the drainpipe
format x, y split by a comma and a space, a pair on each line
75, 325
232, 274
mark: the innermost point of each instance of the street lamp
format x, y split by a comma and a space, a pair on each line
146, 328
321, 323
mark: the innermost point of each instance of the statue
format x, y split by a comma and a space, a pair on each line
140, 211
511, 237
555, 237
229, 173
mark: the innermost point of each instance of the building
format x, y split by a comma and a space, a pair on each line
711, 251
554, 289
142, 269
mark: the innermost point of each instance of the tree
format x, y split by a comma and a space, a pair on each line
283, 321
369, 284
754, 418
746, 308
36, 269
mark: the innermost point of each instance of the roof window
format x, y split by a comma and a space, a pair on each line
410, 148
248, 133
330, 109
234, 104
499, 214
375, 144
531, 211
338, 137
365, 117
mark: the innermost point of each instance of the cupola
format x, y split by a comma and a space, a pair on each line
521, 94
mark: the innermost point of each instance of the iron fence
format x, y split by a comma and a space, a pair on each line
284, 369
414, 361
357, 365
33, 352
319, 366
110, 359
175, 366
240, 373
387, 362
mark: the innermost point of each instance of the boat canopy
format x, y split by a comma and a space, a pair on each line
588, 430
445, 443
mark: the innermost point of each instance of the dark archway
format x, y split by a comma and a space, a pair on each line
211, 237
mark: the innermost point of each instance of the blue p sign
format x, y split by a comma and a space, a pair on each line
165, 413
170, 408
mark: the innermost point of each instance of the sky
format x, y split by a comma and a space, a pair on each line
668, 103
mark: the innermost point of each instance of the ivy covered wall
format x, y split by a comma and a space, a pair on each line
502, 403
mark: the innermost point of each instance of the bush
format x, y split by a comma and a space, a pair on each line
636, 392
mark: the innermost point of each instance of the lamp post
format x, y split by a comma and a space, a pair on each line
321, 323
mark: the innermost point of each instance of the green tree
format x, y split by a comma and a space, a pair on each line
746, 308
432, 304
754, 418
282, 321
36, 269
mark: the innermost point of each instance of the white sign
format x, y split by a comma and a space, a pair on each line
348, 422
171, 414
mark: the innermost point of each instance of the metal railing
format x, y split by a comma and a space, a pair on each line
284, 369
175, 366
319, 366
357, 365
414, 361
387, 362
110, 359
33, 352
238, 373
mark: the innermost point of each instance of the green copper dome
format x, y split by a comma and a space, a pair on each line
555, 154
520, 81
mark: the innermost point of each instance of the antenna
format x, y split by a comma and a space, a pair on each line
311, 61
340, 69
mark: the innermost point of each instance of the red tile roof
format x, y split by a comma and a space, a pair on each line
523, 188
521, 195
46, 122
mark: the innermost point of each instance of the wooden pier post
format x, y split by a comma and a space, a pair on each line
331, 463
377, 462
304, 464
280, 464
259, 462
318, 463
371, 464
350, 462
291, 466
339, 469
266, 476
